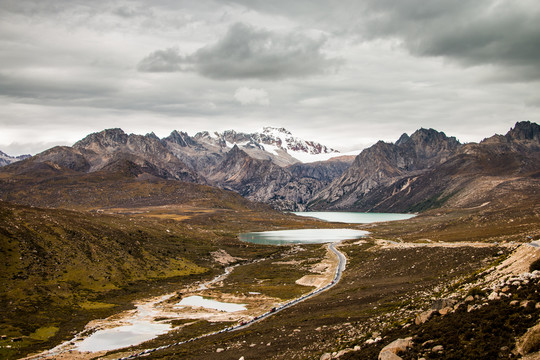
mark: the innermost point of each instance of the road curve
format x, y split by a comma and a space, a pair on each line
342, 261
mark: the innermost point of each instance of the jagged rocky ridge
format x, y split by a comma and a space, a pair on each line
430, 170
424, 170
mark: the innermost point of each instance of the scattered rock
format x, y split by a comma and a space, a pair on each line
530, 341
218, 350
469, 298
371, 341
437, 348
326, 356
442, 303
424, 316
426, 343
514, 303
394, 348
445, 310
343, 352
528, 304
494, 296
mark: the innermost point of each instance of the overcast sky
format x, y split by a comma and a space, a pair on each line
343, 72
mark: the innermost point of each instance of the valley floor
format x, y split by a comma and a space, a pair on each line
391, 277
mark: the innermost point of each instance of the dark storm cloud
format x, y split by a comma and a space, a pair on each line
246, 52
470, 32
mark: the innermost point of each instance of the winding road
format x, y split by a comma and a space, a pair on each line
342, 261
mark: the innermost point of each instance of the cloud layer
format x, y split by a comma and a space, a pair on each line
344, 73
247, 96
248, 53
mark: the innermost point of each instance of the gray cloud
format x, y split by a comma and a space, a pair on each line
168, 60
248, 53
471, 32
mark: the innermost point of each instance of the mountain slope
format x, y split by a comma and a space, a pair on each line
501, 167
383, 164
288, 188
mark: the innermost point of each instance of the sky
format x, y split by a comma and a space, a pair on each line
346, 73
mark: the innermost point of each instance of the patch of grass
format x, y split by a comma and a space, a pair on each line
44, 333
276, 277
94, 305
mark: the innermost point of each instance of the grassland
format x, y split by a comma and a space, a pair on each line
62, 268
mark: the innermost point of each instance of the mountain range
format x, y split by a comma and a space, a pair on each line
424, 170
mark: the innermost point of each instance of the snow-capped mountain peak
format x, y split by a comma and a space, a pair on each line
271, 143
279, 142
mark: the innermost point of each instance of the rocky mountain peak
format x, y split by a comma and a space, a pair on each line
180, 138
152, 135
524, 130
269, 130
236, 153
109, 138
403, 139
431, 136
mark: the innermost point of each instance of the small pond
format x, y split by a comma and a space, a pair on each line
316, 236
123, 336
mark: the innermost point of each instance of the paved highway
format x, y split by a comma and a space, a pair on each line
342, 261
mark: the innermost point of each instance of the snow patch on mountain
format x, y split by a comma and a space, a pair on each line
5, 159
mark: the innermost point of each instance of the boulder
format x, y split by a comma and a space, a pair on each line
390, 351
424, 316
445, 310
326, 356
343, 352
389, 356
530, 341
